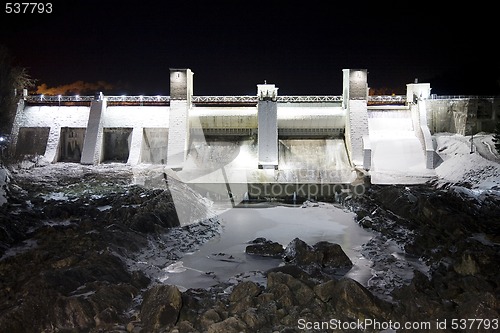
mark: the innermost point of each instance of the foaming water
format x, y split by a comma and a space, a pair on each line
236, 160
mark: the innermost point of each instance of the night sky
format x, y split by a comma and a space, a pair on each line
231, 46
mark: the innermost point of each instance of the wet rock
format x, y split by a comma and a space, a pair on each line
106, 318
196, 302
253, 319
352, 300
209, 317
243, 290
160, 307
322, 261
186, 327
299, 252
478, 305
72, 312
265, 248
326, 291
229, 325
331, 255
243, 296
295, 271
466, 265
289, 290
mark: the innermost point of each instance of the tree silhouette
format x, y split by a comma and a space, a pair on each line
12, 79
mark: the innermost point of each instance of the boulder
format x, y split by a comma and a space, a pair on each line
326, 291
299, 252
466, 265
288, 290
325, 255
243, 296
161, 307
265, 248
229, 325
352, 300
243, 290
331, 255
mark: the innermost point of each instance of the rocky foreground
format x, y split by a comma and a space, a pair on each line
71, 263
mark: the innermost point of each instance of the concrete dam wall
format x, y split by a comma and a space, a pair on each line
258, 139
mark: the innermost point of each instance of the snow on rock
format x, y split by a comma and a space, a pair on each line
4, 180
479, 169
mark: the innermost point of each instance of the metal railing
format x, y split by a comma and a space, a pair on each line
55, 99
433, 96
248, 99
138, 99
309, 99
165, 99
387, 99
223, 99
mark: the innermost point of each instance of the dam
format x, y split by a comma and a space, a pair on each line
252, 140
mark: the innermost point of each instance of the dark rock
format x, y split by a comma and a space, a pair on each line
300, 253
265, 248
326, 291
253, 319
186, 327
467, 265
208, 318
322, 261
105, 319
244, 289
331, 255
229, 325
289, 290
243, 296
161, 307
294, 271
352, 300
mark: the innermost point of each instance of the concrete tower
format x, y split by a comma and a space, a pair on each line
181, 91
267, 114
355, 102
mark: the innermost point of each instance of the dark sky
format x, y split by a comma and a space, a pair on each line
301, 46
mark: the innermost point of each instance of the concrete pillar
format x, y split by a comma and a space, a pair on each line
267, 114
52, 148
16, 126
92, 144
181, 91
355, 102
416, 91
134, 156
416, 97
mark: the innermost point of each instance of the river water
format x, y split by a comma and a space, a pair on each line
223, 258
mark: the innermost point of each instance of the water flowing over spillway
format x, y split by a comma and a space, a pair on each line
236, 161
396, 150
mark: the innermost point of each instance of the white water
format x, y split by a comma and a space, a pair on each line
397, 154
224, 257
220, 161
